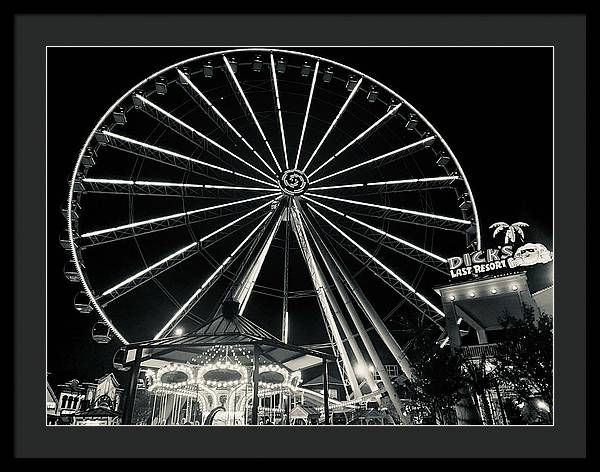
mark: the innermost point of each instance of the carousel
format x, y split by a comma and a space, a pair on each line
228, 372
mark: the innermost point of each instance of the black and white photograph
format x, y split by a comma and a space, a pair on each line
307, 236
310, 236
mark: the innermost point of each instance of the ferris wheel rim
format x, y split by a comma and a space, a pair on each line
73, 248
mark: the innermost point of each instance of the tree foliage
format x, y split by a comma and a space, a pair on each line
438, 381
524, 359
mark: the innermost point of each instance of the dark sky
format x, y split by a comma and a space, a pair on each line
493, 106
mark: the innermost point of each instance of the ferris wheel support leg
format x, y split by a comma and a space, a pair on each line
387, 383
354, 348
255, 385
132, 387
326, 391
286, 263
319, 284
243, 292
364, 336
375, 320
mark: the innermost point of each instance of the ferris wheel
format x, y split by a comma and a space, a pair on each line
197, 173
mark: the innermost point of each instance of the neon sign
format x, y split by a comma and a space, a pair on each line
503, 257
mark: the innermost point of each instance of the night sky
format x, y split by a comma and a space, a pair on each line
493, 106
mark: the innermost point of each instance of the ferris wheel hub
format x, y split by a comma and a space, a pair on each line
293, 182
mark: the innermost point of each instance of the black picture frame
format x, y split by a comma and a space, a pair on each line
566, 33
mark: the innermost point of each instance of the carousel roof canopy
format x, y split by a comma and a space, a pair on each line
226, 331
318, 381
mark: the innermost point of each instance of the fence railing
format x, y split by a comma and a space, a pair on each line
480, 350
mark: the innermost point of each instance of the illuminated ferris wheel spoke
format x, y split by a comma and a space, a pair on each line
148, 150
154, 224
198, 294
122, 288
170, 118
175, 189
203, 239
310, 97
243, 292
334, 215
396, 153
278, 106
402, 214
409, 289
361, 136
247, 103
334, 122
403, 185
225, 120
177, 255
431, 259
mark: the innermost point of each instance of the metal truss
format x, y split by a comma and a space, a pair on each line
319, 283
393, 186
167, 222
399, 248
391, 281
154, 270
166, 189
399, 214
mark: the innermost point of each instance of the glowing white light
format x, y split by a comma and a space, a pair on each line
410, 181
332, 187
334, 122
384, 207
452, 297
494, 291
378, 158
278, 104
237, 220
175, 215
153, 266
384, 233
381, 264
514, 287
358, 138
109, 181
220, 115
450, 178
178, 332
173, 184
181, 156
190, 300
310, 97
285, 327
202, 136
472, 294
247, 103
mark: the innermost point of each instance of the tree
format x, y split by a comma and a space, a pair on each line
480, 377
438, 380
524, 360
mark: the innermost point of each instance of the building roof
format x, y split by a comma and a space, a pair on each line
318, 381
227, 331
481, 279
487, 311
112, 378
304, 411
545, 300
50, 392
